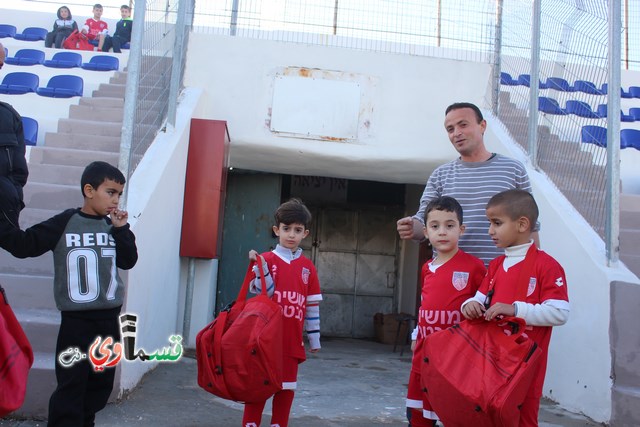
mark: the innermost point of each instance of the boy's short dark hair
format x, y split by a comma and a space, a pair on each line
444, 203
516, 204
97, 6
293, 211
125, 6
97, 172
460, 105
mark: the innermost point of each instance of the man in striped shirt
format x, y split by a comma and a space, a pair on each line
472, 179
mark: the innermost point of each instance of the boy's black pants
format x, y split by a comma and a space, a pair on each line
81, 391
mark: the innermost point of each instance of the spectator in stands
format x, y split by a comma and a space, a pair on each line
62, 28
95, 28
13, 164
122, 34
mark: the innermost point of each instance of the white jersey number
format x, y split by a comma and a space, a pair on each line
84, 277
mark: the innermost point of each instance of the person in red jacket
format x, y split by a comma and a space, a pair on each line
292, 281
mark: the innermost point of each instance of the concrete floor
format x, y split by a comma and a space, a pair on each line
349, 383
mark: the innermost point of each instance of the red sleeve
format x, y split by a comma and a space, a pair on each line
314, 282
552, 279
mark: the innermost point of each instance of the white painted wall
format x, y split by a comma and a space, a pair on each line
406, 97
154, 201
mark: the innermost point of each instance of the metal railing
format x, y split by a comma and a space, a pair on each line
154, 76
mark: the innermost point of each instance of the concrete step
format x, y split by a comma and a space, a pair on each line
33, 292
108, 90
41, 327
89, 127
630, 241
30, 216
102, 102
70, 156
52, 196
632, 262
82, 141
119, 78
55, 174
106, 114
40, 384
39, 266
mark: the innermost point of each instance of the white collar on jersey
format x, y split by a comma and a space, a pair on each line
286, 254
515, 254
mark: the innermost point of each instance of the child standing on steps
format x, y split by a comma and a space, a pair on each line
292, 281
448, 279
89, 244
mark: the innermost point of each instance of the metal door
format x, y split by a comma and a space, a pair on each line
248, 217
354, 251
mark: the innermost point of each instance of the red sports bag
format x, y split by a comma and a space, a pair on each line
77, 41
16, 358
478, 373
239, 354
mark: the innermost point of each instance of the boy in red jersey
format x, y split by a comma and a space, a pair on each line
292, 281
95, 28
511, 215
448, 279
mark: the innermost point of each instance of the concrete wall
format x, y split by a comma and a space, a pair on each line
625, 341
402, 97
154, 201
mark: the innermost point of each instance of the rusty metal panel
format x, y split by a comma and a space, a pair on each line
376, 231
375, 275
336, 315
336, 271
365, 308
337, 230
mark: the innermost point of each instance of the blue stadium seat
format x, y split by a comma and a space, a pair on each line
586, 87
19, 83
7, 30
581, 109
635, 113
623, 94
630, 138
602, 112
102, 63
558, 83
32, 34
594, 135
525, 79
634, 91
26, 57
30, 127
506, 79
62, 86
550, 106
64, 60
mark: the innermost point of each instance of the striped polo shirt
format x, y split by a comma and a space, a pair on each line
472, 184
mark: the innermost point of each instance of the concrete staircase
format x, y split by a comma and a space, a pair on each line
575, 175
91, 132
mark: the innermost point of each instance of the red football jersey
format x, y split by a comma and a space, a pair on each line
95, 28
444, 291
547, 283
296, 282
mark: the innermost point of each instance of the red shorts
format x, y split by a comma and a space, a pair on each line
416, 398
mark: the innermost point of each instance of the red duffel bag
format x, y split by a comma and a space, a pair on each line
77, 41
477, 373
16, 358
239, 354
